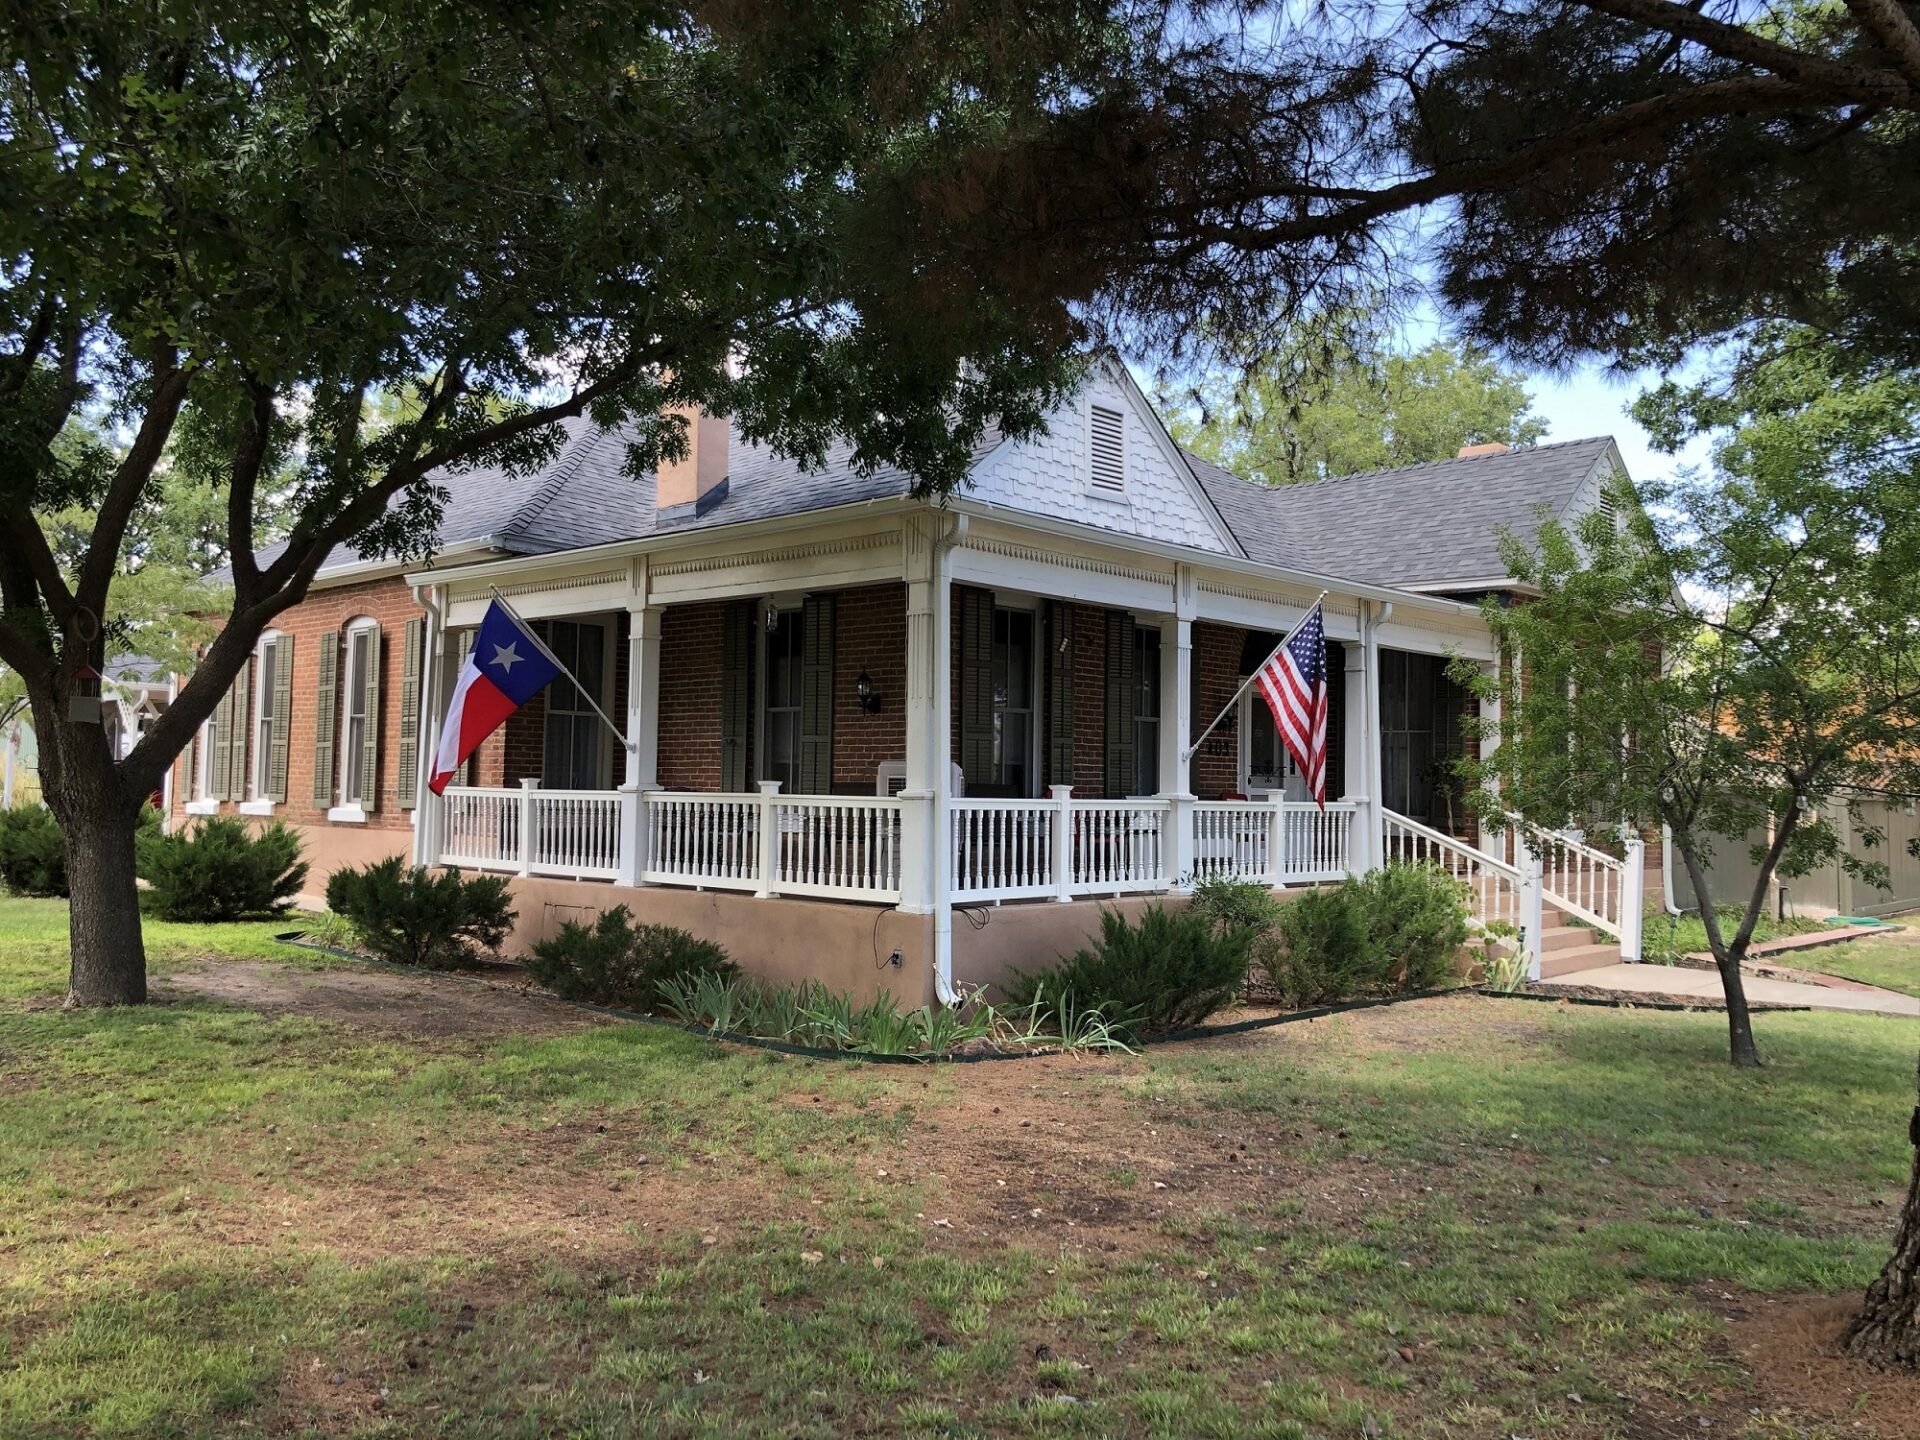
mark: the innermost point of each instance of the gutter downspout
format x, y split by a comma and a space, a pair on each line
943, 987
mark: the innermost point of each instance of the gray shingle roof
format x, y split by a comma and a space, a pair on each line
1419, 525
586, 497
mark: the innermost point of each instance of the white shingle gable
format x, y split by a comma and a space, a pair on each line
1104, 461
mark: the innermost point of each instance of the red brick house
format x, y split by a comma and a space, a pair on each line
846, 714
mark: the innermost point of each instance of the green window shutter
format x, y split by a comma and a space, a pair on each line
976, 688
222, 753
736, 692
370, 734
1336, 720
282, 718
233, 757
1121, 683
816, 695
325, 717
407, 764
222, 748
1060, 649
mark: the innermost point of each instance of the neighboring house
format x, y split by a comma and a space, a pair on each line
134, 692
849, 713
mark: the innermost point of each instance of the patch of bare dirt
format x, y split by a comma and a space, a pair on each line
428, 1006
1791, 1346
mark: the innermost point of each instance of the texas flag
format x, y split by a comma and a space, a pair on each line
506, 669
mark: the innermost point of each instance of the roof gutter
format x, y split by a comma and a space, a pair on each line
1189, 555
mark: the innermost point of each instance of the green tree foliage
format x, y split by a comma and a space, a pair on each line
1744, 651
1330, 398
1577, 177
229, 226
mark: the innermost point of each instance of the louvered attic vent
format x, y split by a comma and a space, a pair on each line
1108, 432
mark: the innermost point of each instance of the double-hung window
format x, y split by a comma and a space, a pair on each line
363, 654
1013, 655
266, 665
571, 758
1146, 711
785, 643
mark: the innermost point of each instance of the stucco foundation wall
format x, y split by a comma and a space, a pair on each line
785, 941
1032, 935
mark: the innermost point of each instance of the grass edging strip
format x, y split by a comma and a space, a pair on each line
1680, 1006
297, 938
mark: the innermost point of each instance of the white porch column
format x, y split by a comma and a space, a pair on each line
1354, 712
429, 809
921, 845
1373, 613
1176, 728
642, 733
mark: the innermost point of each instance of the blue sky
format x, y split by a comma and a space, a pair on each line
1590, 401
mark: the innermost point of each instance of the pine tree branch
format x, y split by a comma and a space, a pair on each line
1890, 24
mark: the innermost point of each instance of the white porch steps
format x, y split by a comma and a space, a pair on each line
1567, 946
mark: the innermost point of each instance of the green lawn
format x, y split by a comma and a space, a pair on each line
1892, 962
1459, 1217
1665, 936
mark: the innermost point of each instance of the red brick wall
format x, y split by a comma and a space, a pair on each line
690, 643
388, 601
1216, 675
871, 635
1089, 701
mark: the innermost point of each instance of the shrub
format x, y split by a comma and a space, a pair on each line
1416, 919
1170, 971
1317, 952
219, 870
613, 961
411, 916
33, 852
1236, 904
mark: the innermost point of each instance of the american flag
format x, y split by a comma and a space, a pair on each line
1294, 682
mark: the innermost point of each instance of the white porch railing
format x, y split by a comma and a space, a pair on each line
1002, 849
1590, 885
1066, 849
836, 846
712, 841
1280, 842
1499, 891
481, 829
530, 831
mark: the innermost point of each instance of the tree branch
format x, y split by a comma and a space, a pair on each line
1890, 24
243, 487
129, 483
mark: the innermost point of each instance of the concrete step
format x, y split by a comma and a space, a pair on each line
1584, 957
1564, 937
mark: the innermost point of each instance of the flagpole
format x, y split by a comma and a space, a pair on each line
527, 630
1194, 748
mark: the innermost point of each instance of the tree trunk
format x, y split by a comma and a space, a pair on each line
1726, 959
1886, 1332
1741, 1049
83, 789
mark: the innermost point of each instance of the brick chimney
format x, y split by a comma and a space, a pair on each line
1474, 452
693, 486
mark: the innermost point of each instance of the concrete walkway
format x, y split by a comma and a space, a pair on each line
1685, 984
